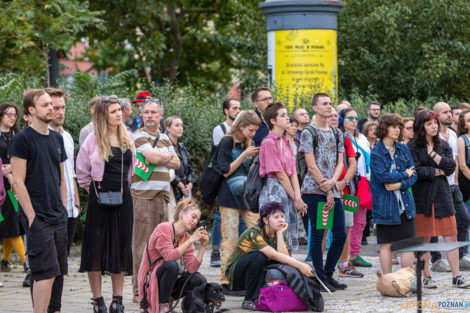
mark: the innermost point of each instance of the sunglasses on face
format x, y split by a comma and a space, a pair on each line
352, 118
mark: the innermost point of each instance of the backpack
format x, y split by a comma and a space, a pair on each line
300, 163
254, 185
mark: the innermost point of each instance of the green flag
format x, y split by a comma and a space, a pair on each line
350, 203
13, 200
142, 169
1, 218
324, 217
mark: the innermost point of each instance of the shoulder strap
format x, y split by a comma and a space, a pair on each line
467, 142
156, 140
224, 129
313, 132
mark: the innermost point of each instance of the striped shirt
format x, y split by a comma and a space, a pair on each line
159, 181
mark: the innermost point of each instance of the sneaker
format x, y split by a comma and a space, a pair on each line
249, 305
215, 258
27, 280
333, 282
428, 282
308, 258
440, 266
5, 266
464, 263
348, 271
460, 282
327, 285
227, 290
359, 261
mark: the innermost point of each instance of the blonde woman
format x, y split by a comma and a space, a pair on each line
105, 163
235, 154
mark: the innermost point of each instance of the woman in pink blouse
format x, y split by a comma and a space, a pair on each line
277, 163
171, 248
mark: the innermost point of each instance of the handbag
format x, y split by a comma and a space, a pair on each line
111, 199
364, 193
279, 298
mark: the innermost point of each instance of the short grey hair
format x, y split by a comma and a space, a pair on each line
158, 103
125, 103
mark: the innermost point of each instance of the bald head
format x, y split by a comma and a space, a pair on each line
341, 107
445, 114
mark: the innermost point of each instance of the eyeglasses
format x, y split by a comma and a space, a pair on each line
107, 99
151, 100
11, 115
352, 118
265, 99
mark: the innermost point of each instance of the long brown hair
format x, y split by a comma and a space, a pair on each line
6, 106
244, 119
100, 126
461, 130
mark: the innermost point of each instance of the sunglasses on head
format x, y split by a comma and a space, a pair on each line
109, 98
151, 100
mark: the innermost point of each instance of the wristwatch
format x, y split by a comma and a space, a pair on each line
78, 207
347, 181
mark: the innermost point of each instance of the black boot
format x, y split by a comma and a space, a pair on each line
116, 306
98, 305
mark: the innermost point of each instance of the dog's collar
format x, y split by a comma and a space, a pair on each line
199, 302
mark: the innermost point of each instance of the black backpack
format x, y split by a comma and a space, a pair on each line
300, 163
211, 177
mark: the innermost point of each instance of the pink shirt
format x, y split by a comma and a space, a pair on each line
273, 159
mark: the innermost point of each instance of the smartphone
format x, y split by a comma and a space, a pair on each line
201, 223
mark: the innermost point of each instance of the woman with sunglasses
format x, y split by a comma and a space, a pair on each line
9, 229
105, 163
435, 213
348, 123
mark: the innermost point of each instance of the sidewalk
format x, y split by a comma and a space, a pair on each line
360, 296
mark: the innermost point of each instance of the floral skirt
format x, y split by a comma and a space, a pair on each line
274, 191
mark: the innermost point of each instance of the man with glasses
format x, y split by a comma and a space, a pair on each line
150, 197
373, 112
261, 97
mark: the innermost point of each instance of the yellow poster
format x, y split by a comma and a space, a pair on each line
305, 63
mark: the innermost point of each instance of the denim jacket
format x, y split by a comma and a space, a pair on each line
385, 209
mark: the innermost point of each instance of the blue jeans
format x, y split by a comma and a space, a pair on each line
316, 237
217, 234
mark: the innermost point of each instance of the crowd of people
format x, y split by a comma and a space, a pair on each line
410, 176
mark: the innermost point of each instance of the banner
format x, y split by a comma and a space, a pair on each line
305, 63
142, 169
324, 217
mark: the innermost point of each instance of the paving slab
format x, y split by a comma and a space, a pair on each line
360, 296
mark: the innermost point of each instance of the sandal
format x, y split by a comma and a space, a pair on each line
98, 305
119, 308
249, 305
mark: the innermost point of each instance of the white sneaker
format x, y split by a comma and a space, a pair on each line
464, 263
440, 266
428, 282
1, 284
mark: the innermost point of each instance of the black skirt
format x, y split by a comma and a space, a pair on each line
107, 239
10, 227
391, 233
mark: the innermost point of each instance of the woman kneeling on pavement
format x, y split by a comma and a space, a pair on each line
171, 248
255, 247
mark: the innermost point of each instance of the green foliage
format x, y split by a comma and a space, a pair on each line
30, 28
405, 49
206, 43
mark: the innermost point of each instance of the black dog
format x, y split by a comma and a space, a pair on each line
207, 298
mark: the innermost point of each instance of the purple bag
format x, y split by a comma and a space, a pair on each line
279, 298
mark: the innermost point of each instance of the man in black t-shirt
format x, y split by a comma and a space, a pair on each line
37, 160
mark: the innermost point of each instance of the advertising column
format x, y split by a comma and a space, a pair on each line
302, 57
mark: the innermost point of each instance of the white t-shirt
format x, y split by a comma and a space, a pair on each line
361, 161
218, 133
453, 144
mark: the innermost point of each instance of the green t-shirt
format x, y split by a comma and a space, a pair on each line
253, 239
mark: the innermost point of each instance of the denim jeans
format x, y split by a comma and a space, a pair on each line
316, 237
217, 234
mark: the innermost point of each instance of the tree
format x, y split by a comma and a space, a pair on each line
31, 28
202, 42
405, 49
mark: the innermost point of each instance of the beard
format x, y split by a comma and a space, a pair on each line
57, 123
44, 119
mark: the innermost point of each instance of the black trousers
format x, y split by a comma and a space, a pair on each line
55, 303
170, 285
248, 274
462, 219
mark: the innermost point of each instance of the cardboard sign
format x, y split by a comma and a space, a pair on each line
350, 203
324, 217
